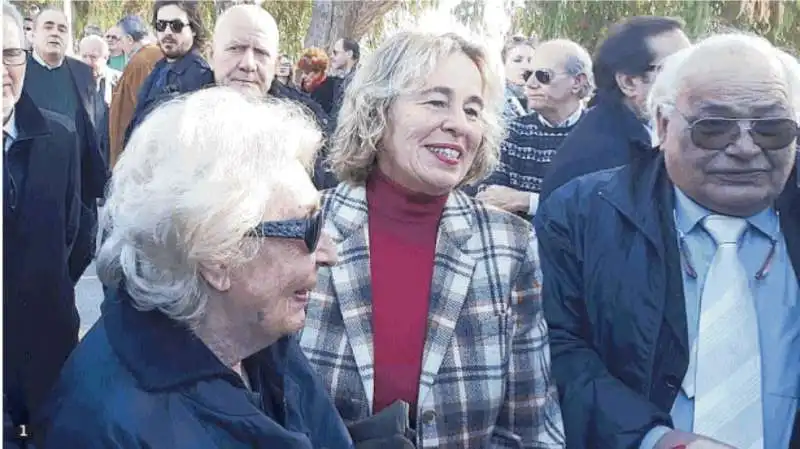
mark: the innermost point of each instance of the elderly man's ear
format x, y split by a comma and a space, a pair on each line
661, 123
217, 275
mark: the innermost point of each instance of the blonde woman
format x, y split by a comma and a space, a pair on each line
435, 302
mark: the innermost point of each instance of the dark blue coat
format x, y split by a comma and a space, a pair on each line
140, 380
41, 217
187, 74
613, 298
609, 135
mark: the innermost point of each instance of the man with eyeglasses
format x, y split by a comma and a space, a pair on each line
671, 285
41, 216
181, 37
116, 54
615, 130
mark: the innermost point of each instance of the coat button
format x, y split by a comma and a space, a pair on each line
428, 416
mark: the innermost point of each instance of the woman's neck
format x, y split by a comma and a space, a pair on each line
392, 200
227, 338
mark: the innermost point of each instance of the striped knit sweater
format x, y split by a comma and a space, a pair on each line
526, 153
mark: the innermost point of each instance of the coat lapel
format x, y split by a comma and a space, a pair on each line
452, 274
347, 211
643, 194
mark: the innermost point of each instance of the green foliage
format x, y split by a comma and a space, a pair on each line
587, 21
293, 17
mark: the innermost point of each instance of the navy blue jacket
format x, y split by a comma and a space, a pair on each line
41, 217
609, 135
613, 299
140, 380
187, 74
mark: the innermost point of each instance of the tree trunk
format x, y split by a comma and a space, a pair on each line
332, 20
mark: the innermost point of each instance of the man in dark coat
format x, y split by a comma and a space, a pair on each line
181, 37
671, 284
65, 85
615, 130
41, 216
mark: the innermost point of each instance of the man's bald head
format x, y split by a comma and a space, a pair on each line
245, 49
252, 17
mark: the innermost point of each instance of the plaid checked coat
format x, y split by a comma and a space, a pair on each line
485, 380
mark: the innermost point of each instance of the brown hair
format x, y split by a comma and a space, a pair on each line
313, 60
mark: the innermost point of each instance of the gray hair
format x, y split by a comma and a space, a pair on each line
93, 38
197, 174
578, 62
399, 66
666, 87
12, 13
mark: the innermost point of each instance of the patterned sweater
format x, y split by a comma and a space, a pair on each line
526, 153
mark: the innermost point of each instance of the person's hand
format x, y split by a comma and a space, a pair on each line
677, 439
505, 198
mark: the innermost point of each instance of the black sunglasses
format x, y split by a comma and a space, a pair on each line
717, 133
176, 25
543, 76
309, 229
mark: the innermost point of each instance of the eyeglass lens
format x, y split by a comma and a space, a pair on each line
768, 134
14, 56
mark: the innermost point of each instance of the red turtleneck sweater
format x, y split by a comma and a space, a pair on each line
403, 227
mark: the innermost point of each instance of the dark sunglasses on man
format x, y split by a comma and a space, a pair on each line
307, 229
543, 76
176, 25
717, 133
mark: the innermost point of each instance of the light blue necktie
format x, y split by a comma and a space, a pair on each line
727, 383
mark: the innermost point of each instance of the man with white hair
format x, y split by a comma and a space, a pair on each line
245, 50
41, 216
556, 89
94, 52
671, 285
212, 248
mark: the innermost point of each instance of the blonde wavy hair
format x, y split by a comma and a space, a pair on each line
400, 66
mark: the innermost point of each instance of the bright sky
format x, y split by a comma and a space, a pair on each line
440, 20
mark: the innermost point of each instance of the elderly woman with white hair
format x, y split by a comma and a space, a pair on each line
213, 243
435, 303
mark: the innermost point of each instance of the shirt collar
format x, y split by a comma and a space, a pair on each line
43, 63
10, 127
688, 214
571, 120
